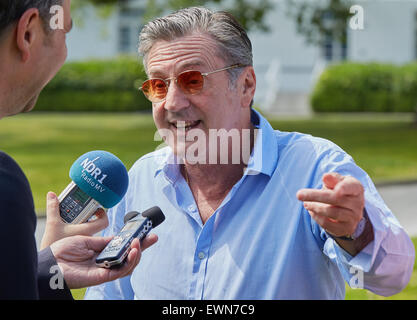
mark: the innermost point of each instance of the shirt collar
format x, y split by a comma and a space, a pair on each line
168, 163
263, 158
264, 155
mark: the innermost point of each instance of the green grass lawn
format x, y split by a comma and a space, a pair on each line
45, 145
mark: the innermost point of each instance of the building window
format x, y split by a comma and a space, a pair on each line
333, 49
130, 21
124, 39
328, 48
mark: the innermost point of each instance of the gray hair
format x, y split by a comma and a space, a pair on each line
12, 10
232, 40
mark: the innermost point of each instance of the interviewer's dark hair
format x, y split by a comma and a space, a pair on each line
12, 10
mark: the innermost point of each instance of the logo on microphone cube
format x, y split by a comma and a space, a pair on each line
95, 172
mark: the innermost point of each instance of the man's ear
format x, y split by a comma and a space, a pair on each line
27, 31
249, 87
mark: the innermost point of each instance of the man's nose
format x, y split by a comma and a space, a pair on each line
175, 99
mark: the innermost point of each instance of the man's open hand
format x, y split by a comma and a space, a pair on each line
338, 206
76, 259
56, 228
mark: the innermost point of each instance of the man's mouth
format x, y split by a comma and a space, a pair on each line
185, 125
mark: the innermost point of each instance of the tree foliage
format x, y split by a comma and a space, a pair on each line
250, 13
318, 19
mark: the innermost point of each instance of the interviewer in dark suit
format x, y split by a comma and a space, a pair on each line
31, 53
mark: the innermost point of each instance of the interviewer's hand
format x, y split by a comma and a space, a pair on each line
338, 206
76, 260
56, 229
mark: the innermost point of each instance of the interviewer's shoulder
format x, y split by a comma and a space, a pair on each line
11, 174
14, 186
6, 162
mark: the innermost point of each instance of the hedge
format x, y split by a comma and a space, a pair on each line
354, 87
96, 85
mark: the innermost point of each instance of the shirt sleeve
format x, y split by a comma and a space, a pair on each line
46, 274
119, 289
385, 265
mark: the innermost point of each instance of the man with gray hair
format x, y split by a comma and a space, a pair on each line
292, 219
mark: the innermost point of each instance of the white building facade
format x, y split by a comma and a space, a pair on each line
285, 64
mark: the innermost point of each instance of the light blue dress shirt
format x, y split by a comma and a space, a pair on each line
260, 243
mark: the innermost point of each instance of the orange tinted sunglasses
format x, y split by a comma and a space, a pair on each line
190, 82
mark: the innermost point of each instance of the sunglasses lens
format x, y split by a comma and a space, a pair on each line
155, 89
191, 82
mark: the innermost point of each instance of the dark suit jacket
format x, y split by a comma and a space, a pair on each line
24, 274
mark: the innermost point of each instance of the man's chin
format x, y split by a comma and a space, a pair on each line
31, 104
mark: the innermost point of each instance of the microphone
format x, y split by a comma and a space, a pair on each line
99, 179
136, 226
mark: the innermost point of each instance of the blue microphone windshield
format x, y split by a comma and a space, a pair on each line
102, 176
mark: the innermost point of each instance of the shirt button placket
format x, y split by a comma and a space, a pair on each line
201, 255
192, 208
201, 259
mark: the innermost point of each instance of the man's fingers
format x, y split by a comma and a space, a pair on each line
131, 261
135, 253
332, 212
330, 180
100, 213
91, 227
349, 187
149, 240
315, 195
129, 264
343, 185
97, 243
52, 206
338, 206
333, 197
126, 268
336, 228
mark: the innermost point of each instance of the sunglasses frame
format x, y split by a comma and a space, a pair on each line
203, 74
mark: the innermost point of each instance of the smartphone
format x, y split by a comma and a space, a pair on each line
137, 226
